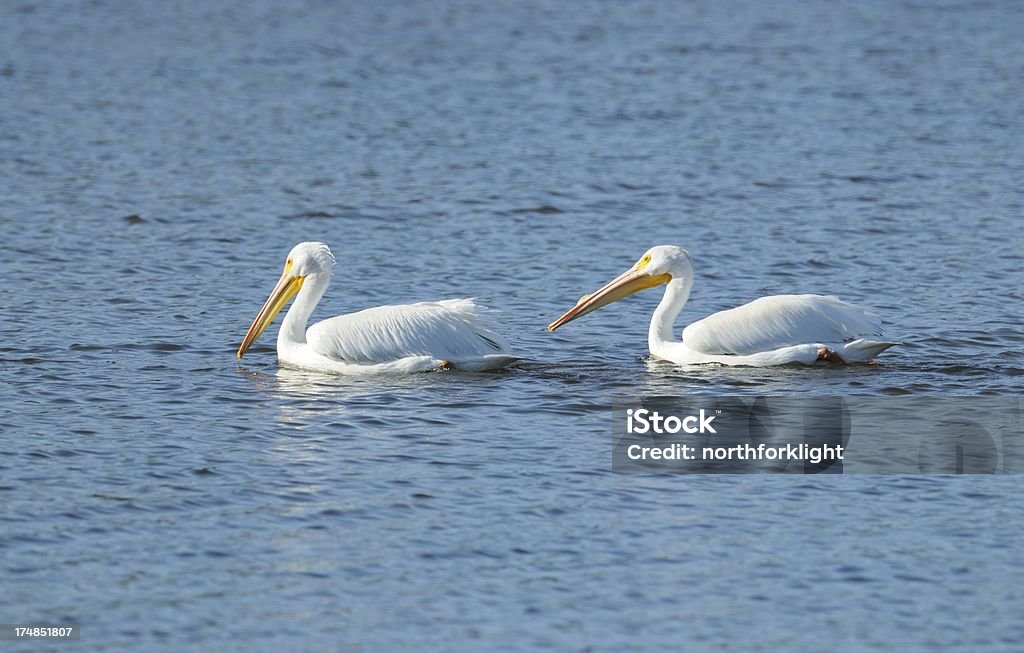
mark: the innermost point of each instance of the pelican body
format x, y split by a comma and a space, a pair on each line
404, 338
773, 330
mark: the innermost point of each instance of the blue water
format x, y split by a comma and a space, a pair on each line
158, 160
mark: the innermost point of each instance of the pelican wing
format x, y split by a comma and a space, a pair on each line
780, 321
447, 329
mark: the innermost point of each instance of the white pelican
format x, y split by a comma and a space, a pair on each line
407, 338
771, 330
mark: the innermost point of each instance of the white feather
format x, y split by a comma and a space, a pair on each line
780, 321
447, 330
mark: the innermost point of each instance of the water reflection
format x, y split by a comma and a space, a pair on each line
301, 398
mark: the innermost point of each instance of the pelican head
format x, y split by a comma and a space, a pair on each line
657, 266
305, 260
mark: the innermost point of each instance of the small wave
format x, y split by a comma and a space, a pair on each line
545, 209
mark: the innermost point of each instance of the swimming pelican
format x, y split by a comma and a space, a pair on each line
407, 338
771, 330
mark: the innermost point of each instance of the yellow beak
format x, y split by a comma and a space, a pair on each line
631, 281
287, 287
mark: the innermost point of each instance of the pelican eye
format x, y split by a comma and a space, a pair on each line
643, 262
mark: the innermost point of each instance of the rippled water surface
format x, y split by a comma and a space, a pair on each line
158, 160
